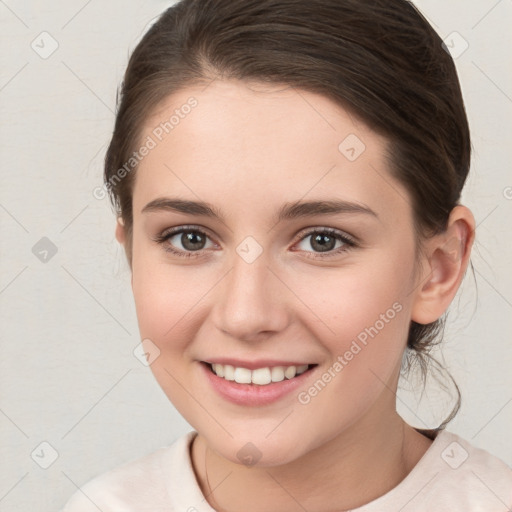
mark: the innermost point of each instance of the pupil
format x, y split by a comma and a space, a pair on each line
191, 241
321, 246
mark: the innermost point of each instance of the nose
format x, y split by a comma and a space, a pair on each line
251, 302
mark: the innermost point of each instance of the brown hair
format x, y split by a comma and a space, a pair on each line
380, 59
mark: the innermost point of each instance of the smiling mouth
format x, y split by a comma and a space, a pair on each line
259, 376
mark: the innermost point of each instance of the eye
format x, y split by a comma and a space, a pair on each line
185, 241
191, 241
326, 242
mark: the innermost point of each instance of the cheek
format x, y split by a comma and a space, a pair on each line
161, 296
362, 317
347, 300
165, 300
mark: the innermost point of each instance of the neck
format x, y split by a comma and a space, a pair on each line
362, 463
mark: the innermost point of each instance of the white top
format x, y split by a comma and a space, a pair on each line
452, 476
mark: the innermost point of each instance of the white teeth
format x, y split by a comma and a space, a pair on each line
218, 369
229, 372
242, 375
290, 372
302, 368
259, 376
277, 374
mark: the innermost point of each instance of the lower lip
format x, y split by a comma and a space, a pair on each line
253, 394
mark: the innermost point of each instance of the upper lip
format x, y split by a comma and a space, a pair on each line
254, 363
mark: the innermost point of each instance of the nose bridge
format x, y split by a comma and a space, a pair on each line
249, 301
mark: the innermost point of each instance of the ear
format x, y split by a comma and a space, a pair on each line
120, 233
122, 239
444, 265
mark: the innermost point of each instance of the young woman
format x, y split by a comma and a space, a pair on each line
287, 176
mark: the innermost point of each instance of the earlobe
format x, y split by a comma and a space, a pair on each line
120, 233
447, 258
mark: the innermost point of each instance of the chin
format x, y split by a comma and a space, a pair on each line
257, 451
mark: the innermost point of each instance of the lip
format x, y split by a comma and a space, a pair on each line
253, 395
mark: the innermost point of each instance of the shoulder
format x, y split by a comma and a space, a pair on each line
453, 475
139, 485
473, 473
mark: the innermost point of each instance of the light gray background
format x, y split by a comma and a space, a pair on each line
68, 373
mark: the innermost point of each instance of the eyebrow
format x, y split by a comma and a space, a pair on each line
288, 211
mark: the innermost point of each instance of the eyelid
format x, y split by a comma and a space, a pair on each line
186, 227
326, 229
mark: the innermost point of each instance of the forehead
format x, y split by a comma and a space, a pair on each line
251, 145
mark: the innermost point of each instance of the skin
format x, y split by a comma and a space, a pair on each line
248, 149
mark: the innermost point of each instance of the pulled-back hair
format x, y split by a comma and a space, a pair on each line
379, 59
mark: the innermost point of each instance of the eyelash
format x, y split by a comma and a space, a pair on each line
347, 240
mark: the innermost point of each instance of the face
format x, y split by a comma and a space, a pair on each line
325, 286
